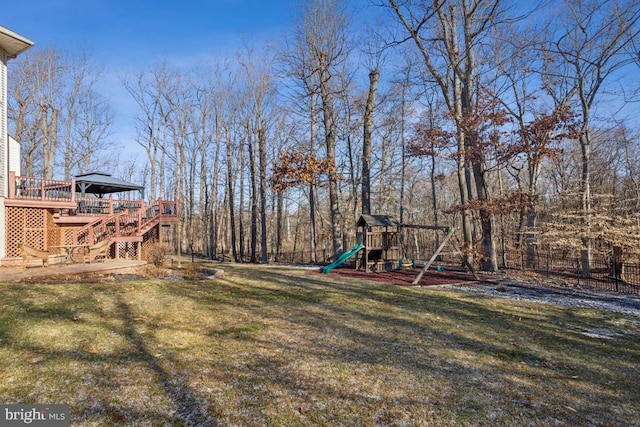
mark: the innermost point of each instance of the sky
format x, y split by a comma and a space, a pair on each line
122, 32
125, 36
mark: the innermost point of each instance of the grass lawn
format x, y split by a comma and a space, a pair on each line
277, 346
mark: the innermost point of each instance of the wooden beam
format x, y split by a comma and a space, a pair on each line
426, 227
433, 257
465, 262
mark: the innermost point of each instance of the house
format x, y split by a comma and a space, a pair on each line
11, 45
45, 214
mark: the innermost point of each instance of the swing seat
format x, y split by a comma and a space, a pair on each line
406, 264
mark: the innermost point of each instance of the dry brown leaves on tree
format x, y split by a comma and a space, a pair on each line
297, 167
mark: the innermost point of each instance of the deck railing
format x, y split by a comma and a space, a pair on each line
42, 189
130, 222
29, 188
113, 217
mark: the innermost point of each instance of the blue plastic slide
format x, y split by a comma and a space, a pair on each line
345, 256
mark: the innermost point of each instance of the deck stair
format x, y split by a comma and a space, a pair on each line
129, 225
67, 213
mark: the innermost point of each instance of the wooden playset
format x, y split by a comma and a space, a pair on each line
379, 234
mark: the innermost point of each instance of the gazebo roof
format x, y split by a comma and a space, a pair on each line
13, 44
103, 183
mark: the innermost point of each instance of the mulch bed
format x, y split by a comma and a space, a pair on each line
405, 277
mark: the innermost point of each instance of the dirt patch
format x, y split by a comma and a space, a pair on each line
406, 277
107, 276
82, 277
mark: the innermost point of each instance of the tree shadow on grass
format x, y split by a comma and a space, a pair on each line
335, 308
190, 411
355, 326
74, 369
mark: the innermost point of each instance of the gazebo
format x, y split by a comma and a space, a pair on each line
101, 183
90, 189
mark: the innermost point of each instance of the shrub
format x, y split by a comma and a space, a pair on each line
158, 254
192, 270
155, 272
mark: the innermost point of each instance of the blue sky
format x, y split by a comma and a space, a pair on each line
123, 32
127, 36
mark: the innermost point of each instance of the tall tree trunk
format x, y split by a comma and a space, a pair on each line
161, 170
150, 149
230, 196
203, 202
585, 187
262, 155
374, 76
253, 172
486, 223
241, 232
279, 223
463, 180
330, 140
213, 232
49, 130
313, 240
313, 258
531, 240
434, 199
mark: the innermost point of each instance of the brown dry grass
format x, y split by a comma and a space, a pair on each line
277, 346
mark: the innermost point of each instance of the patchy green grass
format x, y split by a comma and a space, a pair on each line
277, 346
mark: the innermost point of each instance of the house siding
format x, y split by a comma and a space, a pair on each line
14, 156
4, 170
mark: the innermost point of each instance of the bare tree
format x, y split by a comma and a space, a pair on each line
62, 122
374, 77
202, 123
90, 146
253, 201
259, 90
448, 35
22, 114
591, 46
537, 128
77, 94
322, 36
403, 108
231, 193
49, 80
151, 90
218, 85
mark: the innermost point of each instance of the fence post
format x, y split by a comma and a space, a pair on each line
548, 270
12, 185
73, 190
586, 266
617, 264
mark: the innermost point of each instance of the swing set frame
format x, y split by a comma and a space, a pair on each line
388, 240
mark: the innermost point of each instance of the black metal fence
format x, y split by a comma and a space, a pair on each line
598, 273
612, 276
